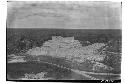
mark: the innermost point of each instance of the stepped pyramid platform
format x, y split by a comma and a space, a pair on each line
69, 48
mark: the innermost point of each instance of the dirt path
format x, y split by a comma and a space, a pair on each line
84, 73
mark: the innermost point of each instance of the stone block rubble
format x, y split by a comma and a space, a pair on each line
15, 59
69, 48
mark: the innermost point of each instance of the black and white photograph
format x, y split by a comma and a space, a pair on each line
63, 40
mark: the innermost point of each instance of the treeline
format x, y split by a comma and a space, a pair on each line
22, 39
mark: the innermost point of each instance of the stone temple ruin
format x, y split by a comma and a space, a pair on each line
68, 48
60, 42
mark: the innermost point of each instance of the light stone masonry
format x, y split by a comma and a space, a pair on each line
70, 48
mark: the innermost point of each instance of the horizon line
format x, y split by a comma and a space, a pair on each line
64, 28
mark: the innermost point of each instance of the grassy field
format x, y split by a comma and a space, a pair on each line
85, 66
17, 70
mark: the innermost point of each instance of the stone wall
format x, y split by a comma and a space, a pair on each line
69, 48
60, 42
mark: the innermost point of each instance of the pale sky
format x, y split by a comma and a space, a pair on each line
64, 15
